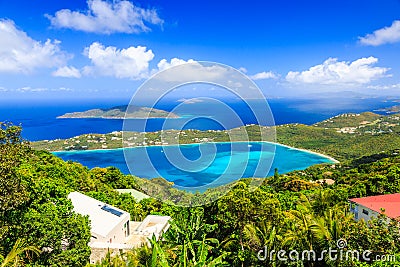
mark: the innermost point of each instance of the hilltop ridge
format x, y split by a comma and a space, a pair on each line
362, 123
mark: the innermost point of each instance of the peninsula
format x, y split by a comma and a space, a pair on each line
342, 137
120, 112
390, 110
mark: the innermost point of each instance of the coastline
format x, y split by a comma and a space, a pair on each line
311, 152
119, 118
273, 143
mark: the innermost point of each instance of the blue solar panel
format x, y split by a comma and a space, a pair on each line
112, 211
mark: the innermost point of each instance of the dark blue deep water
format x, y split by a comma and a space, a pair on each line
39, 122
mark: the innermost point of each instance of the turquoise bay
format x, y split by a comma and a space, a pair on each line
198, 166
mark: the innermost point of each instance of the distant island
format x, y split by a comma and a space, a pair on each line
342, 137
389, 110
120, 112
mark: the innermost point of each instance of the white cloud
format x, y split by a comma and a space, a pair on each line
383, 36
30, 89
187, 72
243, 69
107, 18
132, 62
234, 84
27, 89
385, 87
164, 64
19, 53
68, 72
193, 71
334, 72
63, 89
264, 75
191, 100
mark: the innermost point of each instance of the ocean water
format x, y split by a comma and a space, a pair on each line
200, 165
213, 166
39, 121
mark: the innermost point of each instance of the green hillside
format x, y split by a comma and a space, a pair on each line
382, 133
287, 212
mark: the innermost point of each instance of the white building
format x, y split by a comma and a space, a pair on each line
108, 224
111, 228
368, 207
152, 225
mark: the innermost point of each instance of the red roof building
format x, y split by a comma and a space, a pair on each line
366, 207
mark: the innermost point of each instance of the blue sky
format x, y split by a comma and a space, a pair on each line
106, 49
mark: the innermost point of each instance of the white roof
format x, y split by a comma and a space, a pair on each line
153, 224
103, 217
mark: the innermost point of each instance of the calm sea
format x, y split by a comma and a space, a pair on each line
39, 122
199, 170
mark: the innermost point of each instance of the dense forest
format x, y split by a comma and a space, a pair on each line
287, 212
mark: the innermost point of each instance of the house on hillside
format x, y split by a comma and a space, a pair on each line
111, 228
108, 224
368, 207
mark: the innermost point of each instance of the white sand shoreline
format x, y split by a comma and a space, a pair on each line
274, 143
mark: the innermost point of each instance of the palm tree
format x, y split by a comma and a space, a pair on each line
14, 258
263, 235
322, 201
189, 229
299, 234
329, 228
299, 222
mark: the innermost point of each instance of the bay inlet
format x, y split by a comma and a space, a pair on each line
205, 164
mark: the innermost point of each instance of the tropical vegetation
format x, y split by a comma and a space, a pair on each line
291, 212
